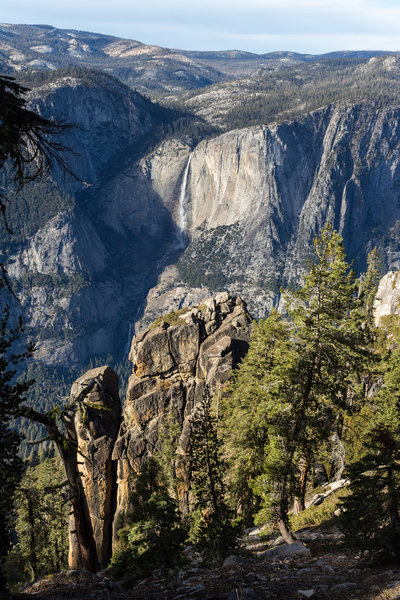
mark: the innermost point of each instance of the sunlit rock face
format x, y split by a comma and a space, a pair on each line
96, 425
175, 363
256, 198
152, 231
387, 301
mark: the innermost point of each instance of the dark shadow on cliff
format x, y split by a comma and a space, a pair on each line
136, 260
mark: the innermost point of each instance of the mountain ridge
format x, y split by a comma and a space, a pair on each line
150, 68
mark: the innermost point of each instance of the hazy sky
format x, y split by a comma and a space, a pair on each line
313, 26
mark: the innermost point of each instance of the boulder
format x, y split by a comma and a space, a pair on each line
287, 550
234, 561
387, 297
306, 593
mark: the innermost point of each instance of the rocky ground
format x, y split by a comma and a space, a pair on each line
316, 567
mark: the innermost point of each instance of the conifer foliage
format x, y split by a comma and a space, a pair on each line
303, 373
371, 513
11, 395
42, 522
212, 522
153, 535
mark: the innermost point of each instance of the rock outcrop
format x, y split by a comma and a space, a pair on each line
97, 422
387, 300
174, 362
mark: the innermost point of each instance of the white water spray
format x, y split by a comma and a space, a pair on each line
182, 206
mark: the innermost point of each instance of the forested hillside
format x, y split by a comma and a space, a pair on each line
274, 95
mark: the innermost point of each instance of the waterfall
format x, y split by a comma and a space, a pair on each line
182, 206
180, 244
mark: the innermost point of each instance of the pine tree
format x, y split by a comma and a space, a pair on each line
371, 516
170, 461
316, 365
212, 522
11, 395
153, 535
332, 345
251, 402
369, 284
42, 520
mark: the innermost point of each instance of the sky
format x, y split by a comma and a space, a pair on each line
306, 26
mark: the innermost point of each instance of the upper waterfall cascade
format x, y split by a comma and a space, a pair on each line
182, 206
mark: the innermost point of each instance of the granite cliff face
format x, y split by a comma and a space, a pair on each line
75, 272
173, 363
256, 198
387, 301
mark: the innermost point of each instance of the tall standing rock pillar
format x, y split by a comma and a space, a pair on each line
96, 422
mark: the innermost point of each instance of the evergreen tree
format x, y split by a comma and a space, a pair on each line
369, 284
371, 513
42, 520
317, 359
169, 460
251, 402
332, 345
212, 527
11, 395
153, 535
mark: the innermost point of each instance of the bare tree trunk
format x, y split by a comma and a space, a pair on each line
32, 539
338, 462
285, 532
67, 447
299, 502
283, 524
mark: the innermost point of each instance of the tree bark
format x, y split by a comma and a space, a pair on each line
299, 502
284, 529
32, 540
286, 533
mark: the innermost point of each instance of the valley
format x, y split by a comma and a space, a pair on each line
205, 185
